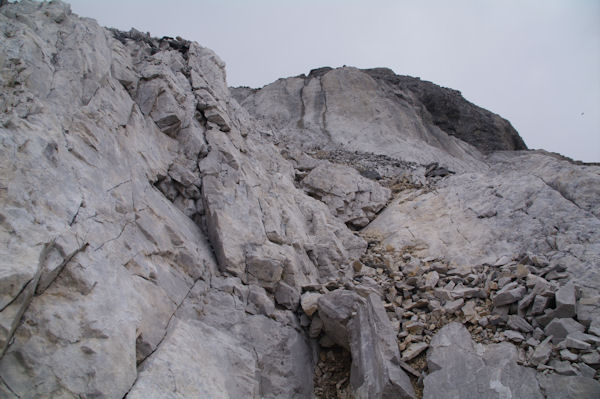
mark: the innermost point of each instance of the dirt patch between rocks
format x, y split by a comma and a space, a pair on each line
332, 374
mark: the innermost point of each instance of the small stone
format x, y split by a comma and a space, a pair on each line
459, 271
287, 296
522, 271
585, 370
562, 367
503, 281
443, 294
505, 297
514, 336
453, 306
565, 301
532, 342
414, 327
540, 303
554, 275
413, 350
574, 343
542, 353
309, 302
519, 323
543, 287
439, 267
465, 292
526, 301
538, 333
560, 328
589, 338
431, 279
315, 327
566, 354
595, 328
591, 359
469, 310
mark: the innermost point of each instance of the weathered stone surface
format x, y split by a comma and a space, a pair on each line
414, 350
338, 107
565, 302
309, 302
560, 328
508, 296
483, 371
538, 187
361, 325
156, 237
569, 387
542, 353
352, 198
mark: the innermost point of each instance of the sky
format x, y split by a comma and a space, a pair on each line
534, 62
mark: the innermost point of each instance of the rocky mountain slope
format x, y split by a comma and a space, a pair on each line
350, 233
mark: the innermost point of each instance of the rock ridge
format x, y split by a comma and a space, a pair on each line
340, 234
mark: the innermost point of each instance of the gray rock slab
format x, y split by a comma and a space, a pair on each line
565, 301
483, 371
560, 328
361, 325
569, 387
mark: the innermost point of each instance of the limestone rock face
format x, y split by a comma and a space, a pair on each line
460, 369
349, 196
361, 325
163, 235
378, 111
129, 180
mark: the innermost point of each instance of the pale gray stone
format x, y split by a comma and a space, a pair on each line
414, 350
560, 328
565, 301
563, 368
514, 336
566, 354
592, 358
309, 302
569, 387
351, 197
362, 326
542, 353
483, 371
508, 296
519, 323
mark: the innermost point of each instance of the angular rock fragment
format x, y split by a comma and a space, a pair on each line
565, 302
309, 302
351, 197
509, 294
414, 350
560, 328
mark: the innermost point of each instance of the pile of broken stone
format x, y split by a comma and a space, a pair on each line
522, 300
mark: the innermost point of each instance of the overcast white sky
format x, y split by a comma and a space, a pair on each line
536, 63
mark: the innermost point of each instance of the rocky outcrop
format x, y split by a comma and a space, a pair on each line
448, 110
166, 236
484, 371
375, 110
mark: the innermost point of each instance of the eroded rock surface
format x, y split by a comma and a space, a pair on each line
483, 371
166, 236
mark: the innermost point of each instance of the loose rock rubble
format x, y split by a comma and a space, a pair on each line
520, 301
